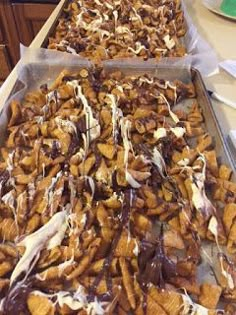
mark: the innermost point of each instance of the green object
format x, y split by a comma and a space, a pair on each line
229, 7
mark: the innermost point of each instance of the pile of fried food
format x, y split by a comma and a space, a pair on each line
101, 30
109, 193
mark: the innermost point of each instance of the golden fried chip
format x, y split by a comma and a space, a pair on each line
40, 305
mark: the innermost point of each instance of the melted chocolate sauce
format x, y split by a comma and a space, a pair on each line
115, 185
193, 248
167, 149
81, 125
96, 86
16, 299
100, 193
68, 78
55, 93
74, 145
97, 74
125, 215
55, 152
155, 266
4, 177
98, 157
44, 88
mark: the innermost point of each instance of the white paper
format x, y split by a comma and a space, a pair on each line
229, 66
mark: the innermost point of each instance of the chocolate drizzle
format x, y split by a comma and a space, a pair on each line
81, 125
74, 145
16, 300
55, 152
4, 177
155, 266
125, 215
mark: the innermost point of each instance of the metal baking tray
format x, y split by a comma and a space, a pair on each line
52, 29
33, 75
61, 13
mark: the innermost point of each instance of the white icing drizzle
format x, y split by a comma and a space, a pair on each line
199, 198
20, 200
49, 236
72, 225
125, 132
158, 160
170, 43
227, 275
116, 114
161, 50
178, 131
86, 145
66, 125
138, 48
10, 161
71, 50
50, 96
58, 237
76, 301
108, 5
184, 162
49, 192
84, 219
9, 199
136, 248
115, 13
189, 307
39, 119
131, 180
93, 26
42, 277
106, 17
172, 115
91, 184
24, 135
123, 30
146, 80
65, 43
160, 133
64, 265
92, 125
98, 2
43, 171
212, 227
137, 17
31, 191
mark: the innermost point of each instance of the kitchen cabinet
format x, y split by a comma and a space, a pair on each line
9, 41
5, 62
30, 17
19, 23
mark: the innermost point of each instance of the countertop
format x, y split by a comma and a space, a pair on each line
220, 34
